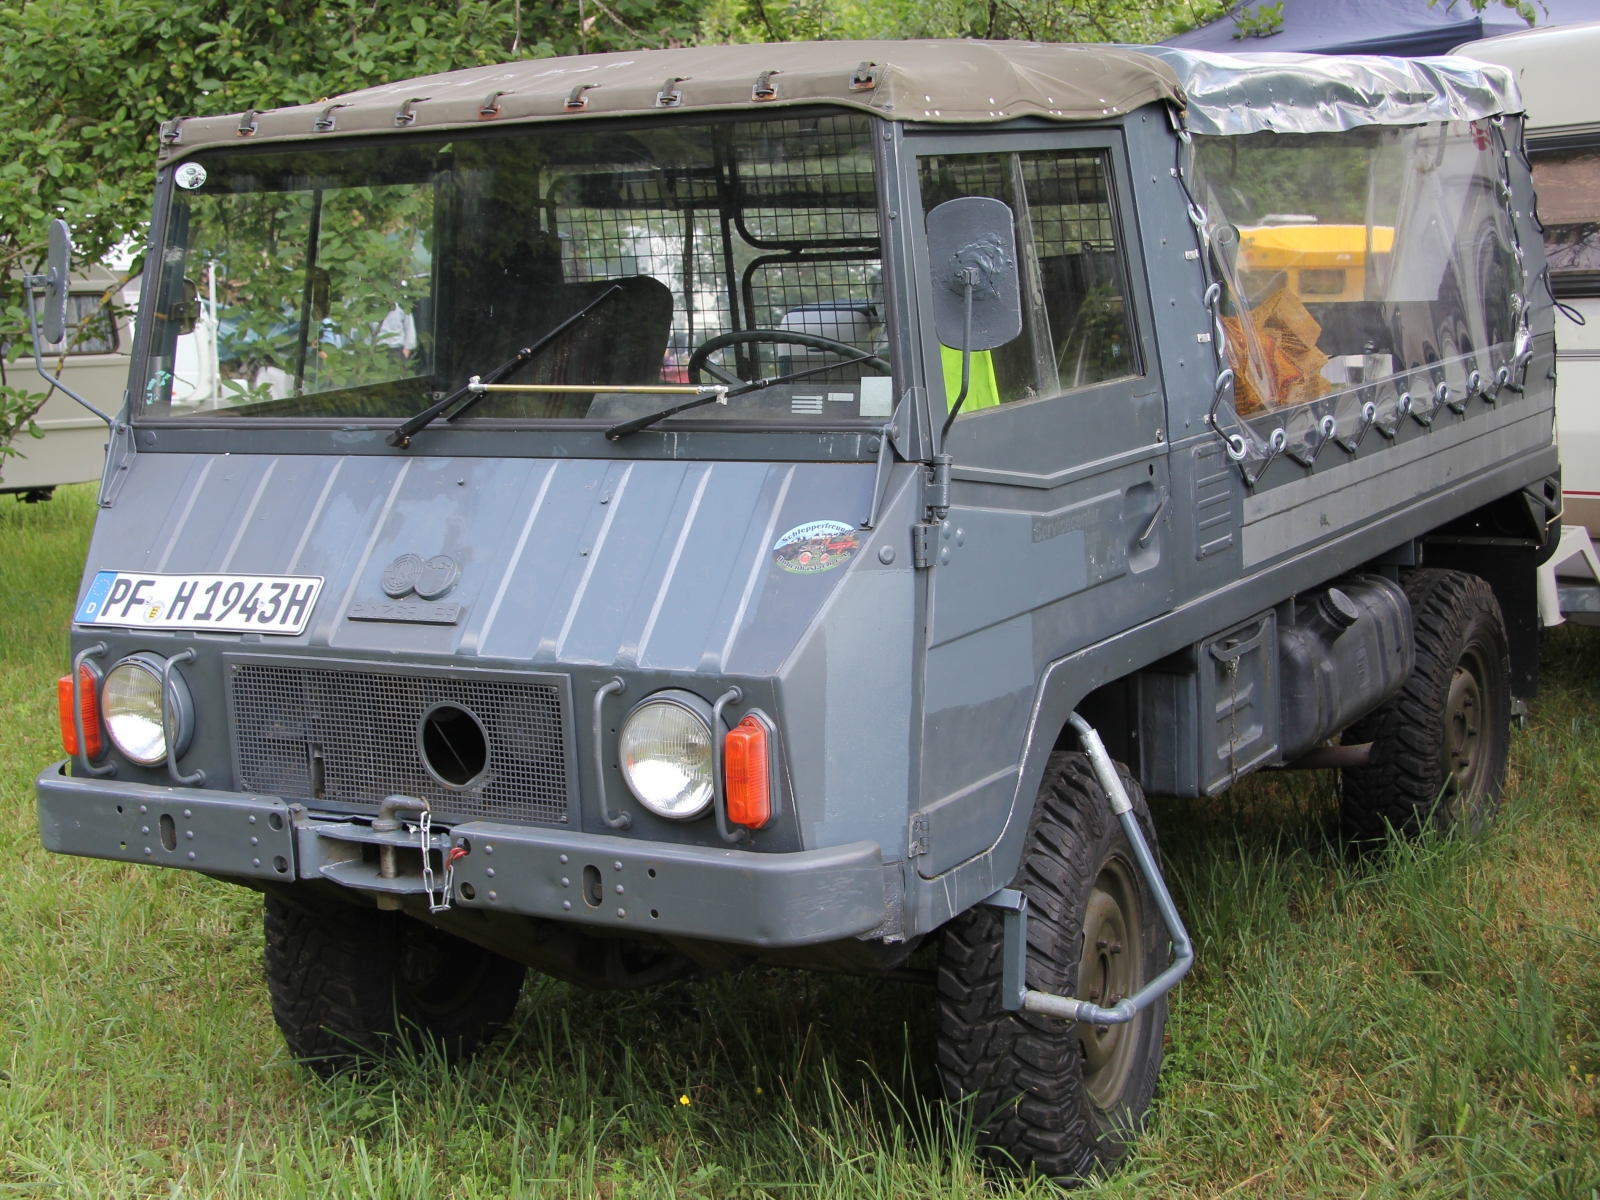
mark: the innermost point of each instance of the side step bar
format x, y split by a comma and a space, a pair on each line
1015, 993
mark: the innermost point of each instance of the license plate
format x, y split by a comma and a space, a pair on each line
233, 603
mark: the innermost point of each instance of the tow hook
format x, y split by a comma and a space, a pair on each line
388, 821
1015, 993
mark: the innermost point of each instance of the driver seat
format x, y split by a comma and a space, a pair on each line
622, 341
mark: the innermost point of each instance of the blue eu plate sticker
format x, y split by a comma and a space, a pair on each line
94, 597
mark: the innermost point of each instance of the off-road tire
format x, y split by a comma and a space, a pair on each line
352, 983
1025, 1074
1430, 764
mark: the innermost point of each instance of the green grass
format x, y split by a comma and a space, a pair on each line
1421, 1024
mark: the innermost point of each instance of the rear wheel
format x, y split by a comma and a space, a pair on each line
1059, 1097
349, 983
1440, 745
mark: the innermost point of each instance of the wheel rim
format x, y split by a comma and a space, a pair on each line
438, 972
1112, 968
1466, 742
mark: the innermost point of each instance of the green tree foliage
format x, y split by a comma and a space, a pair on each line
1032, 20
85, 85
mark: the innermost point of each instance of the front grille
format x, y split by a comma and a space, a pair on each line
351, 737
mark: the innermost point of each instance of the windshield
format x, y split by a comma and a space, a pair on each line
368, 282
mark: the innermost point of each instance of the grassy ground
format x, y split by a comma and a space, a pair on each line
1420, 1025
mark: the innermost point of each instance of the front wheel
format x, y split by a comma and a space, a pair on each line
1061, 1098
351, 983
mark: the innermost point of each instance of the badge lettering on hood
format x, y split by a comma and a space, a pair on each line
816, 546
410, 574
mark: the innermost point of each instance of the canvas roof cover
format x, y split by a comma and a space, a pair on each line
950, 81
960, 82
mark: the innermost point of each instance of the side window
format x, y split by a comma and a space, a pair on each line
1568, 183
1077, 327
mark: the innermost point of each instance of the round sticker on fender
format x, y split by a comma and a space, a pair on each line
816, 546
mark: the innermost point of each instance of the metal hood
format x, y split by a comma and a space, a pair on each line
655, 565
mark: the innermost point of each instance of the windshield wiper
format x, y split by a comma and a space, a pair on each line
617, 432
401, 436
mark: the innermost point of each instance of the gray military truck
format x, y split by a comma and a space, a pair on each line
787, 504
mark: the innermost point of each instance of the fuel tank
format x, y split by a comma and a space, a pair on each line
1348, 651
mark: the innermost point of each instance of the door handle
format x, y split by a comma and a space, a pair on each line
1161, 507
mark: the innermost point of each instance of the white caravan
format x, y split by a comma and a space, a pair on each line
94, 363
1554, 71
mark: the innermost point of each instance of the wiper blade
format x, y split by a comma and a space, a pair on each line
617, 432
401, 436
722, 395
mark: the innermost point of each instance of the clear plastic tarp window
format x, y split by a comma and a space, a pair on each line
1364, 277
369, 282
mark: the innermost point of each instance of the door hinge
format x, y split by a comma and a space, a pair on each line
919, 836
924, 544
937, 493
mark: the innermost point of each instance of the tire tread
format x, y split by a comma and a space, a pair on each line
1402, 783
1021, 1070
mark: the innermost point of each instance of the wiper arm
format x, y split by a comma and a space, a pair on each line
617, 432
401, 436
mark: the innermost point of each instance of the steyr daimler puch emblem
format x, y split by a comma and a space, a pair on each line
428, 579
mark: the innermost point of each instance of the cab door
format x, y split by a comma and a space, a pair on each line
1057, 535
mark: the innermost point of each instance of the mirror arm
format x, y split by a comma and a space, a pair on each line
966, 363
29, 284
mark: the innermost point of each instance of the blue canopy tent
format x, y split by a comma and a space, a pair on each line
1403, 28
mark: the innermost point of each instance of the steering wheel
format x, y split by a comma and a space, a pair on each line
780, 337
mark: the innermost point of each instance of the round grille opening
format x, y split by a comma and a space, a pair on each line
454, 747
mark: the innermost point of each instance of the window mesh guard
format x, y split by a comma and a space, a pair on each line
784, 237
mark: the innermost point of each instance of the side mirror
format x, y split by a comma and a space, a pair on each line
57, 279
972, 240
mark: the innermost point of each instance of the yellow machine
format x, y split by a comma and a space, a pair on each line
1317, 263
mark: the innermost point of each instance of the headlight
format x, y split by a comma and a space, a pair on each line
665, 750
130, 704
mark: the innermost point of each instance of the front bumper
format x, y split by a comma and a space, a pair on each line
722, 895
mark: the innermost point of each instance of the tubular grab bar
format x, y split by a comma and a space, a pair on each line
1015, 993
719, 793
623, 820
198, 778
82, 760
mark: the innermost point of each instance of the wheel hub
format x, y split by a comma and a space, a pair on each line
438, 972
1111, 969
1466, 749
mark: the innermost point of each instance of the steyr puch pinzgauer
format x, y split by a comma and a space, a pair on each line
788, 504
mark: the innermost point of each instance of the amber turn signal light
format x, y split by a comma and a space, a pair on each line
747, 765
89, 702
